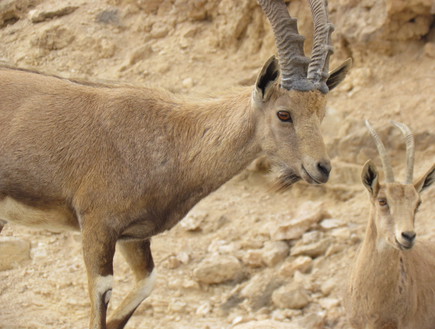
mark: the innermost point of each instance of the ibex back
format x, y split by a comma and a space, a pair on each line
122, 164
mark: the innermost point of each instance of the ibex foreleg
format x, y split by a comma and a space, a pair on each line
98, 252
139, 257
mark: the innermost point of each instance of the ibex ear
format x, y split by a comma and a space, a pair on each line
266, 79
426, 180
370, 177
338, 74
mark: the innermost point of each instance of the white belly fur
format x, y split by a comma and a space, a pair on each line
52, 219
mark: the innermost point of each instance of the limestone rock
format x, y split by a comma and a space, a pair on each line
328, 286
13, 252
311, 321
301, 263
331, 223
12, 10
274, 252
329, 303
253, 258
312, 244
52, 11
259, 290
309, 214
54, 38
218, 269
193, 220
291, 296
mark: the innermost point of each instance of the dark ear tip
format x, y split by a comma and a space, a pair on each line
348, 63
337, 75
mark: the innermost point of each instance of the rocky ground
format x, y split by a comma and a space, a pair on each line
244, 257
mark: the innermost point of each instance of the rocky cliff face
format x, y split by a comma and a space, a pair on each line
245, 257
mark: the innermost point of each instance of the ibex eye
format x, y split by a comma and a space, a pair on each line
284, 116
382, 202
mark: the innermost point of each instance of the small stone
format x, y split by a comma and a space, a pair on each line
177, 306
259, 289
312, 244
314, 249
55, 10
218, 269
331, 223
274, 252
253, 258
312, 321
309, 214
141, 53
222, 247
159, 30
187, 83
327, 287
193, 220
342, 233
172, 263
204, 308
329, 303
183, 257
190, 284
291, 296
54, 38
301, 263
13, 252
109, 16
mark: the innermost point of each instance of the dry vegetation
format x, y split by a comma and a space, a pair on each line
245, 257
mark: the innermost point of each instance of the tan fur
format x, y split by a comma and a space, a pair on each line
124, 163
392, 283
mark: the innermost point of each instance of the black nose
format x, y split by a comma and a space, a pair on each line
409, 236
324, 167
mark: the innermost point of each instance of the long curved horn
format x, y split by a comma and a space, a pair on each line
318, 69
290, 46
410, 150
389, 176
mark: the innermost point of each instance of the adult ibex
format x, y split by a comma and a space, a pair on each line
392, 285
122, 164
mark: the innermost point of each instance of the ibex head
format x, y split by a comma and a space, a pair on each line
293, 108
395, 204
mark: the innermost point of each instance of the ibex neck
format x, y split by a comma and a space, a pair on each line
214, 140
378, 265
221, 141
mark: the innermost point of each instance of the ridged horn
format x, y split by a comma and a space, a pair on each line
318, 69
290, 44
386, 164
410, 150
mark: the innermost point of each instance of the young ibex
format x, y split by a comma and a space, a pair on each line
392, 285
122, 164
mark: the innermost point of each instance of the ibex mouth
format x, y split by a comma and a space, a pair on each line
404, 246
310, 179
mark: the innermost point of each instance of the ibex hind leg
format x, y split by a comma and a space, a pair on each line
139, 257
